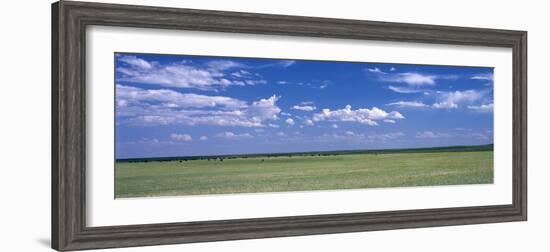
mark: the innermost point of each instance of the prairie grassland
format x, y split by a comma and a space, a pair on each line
301, 173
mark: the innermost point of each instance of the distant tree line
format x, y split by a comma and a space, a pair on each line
487, 147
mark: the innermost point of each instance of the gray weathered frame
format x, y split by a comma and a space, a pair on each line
69, 20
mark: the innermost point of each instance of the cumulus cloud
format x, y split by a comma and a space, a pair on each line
166, 107
265, 108
203, 138
289, 121
308, 122
408, 104
212, 75
362, 115
181, 137
431, 135
232, 136
451, 100
335, 126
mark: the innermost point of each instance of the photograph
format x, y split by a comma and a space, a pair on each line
273, 127
196, 125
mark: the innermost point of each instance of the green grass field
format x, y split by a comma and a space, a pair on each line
302, 172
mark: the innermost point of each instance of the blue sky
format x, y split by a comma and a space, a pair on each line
172, 105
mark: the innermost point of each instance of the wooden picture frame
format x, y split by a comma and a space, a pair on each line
69, 20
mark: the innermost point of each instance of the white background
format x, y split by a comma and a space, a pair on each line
103, 210
25, 126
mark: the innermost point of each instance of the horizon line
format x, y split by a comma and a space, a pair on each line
297, 152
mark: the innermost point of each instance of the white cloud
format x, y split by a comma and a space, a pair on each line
265, 108
135, 62
181, 76
304, 107
408, 104
289, 121
281, 134
181, 137
279, 63
287, 63
185, 74
445, 105
487, 77
232, 136
172, 98
431, 135
405, 90
308, 122
165, 107
241, 74
482, 108
450, 100
146, 141
273, 125
376, 70
412, 79
335, 126
389, 121
203, 138
221, 65
363, 115
319, 84
122, 103
352, 136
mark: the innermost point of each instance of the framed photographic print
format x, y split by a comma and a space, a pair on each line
177, 125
